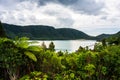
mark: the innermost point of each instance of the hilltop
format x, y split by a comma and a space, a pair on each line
42, 32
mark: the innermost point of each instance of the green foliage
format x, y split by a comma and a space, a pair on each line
48, 62
66, 75
90, 68
10, 59
27, 62
104, 70
13, 55
31, 56
9, 53
22, 42
98, 47
114, 39
34, 48
72, 75
60, 53
35, 76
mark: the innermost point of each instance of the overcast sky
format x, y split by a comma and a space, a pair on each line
91, 16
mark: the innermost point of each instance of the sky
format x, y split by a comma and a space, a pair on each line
93, 17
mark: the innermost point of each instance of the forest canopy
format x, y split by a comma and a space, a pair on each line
20, 61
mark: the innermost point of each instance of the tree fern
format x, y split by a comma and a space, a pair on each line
30, 55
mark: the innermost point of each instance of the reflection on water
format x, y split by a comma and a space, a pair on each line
69, 45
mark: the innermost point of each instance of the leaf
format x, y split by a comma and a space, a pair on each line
34, 48
23, 44
31, 56
72, 75
26, 77
104, 70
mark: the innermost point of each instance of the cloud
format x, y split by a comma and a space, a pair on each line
66, 22
83, 6
26, 13
64, 2
90, 16
90, 7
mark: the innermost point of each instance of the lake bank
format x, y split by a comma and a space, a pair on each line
67, 45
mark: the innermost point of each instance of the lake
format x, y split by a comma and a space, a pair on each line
69, 45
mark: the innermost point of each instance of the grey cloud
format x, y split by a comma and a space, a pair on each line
104, 18
64, 2
51, 12
64, 19
8, 4
44, 2
66, 22
85, 6
88, 6
67, 2
81, 6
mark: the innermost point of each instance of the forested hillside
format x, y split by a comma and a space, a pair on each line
114, 39
103, 36
44, 32
40, 32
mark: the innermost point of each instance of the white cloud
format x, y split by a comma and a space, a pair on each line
31, 13
26, 13
112, 8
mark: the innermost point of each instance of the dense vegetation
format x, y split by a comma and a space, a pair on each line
2, 32
44, 32
21, 61
114, 39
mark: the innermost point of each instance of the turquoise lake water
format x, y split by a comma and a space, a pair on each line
69, 45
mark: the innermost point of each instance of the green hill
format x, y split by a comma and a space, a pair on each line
69, 33
44, 32
114, 39
102, 36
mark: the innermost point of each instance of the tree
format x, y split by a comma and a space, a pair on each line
51, 46
14, 54
2, 32
44, 46
10, 59
104, 42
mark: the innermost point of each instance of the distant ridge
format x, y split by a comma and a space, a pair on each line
103, 36
42, 32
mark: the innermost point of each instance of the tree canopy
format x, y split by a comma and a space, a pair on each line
21, 61
2, 32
